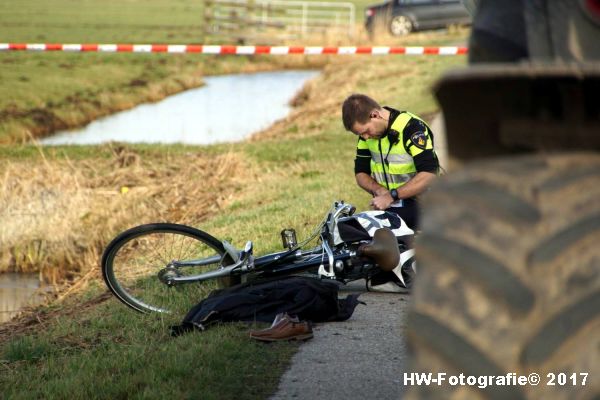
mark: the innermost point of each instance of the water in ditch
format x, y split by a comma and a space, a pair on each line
228, 108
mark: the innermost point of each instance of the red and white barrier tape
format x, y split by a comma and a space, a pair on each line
244, 50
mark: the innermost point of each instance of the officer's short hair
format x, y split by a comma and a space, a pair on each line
357, 108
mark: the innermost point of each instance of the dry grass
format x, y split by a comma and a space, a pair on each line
58, 215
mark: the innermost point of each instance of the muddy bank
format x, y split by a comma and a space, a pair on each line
79, 109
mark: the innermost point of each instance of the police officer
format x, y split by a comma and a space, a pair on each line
395, 160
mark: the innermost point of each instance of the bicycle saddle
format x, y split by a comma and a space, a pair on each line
383, 249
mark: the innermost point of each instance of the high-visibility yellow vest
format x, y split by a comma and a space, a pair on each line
392, 166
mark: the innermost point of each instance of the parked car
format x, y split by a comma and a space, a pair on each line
401, 17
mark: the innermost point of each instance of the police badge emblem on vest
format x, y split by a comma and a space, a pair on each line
419, 139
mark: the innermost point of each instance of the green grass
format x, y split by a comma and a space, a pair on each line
87, 348
106, 21
110, 353
55, 80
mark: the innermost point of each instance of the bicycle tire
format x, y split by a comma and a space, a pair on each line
509, 280
132, 261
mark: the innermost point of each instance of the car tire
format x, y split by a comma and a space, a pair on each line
401, 25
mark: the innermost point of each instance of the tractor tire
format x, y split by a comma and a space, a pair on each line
509, 280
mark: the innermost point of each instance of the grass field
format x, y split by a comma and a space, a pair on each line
60, 206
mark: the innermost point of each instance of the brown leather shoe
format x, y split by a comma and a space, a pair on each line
287, 330
280, 320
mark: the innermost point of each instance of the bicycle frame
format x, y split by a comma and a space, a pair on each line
280, 263
136, 267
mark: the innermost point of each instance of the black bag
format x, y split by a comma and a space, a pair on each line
308, 298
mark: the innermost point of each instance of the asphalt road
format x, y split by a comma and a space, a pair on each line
361, 358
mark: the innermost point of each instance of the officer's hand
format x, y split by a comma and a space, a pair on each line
382, 202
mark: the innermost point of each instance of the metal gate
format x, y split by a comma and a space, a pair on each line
273, 20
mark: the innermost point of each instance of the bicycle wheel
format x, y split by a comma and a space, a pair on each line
134, 261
